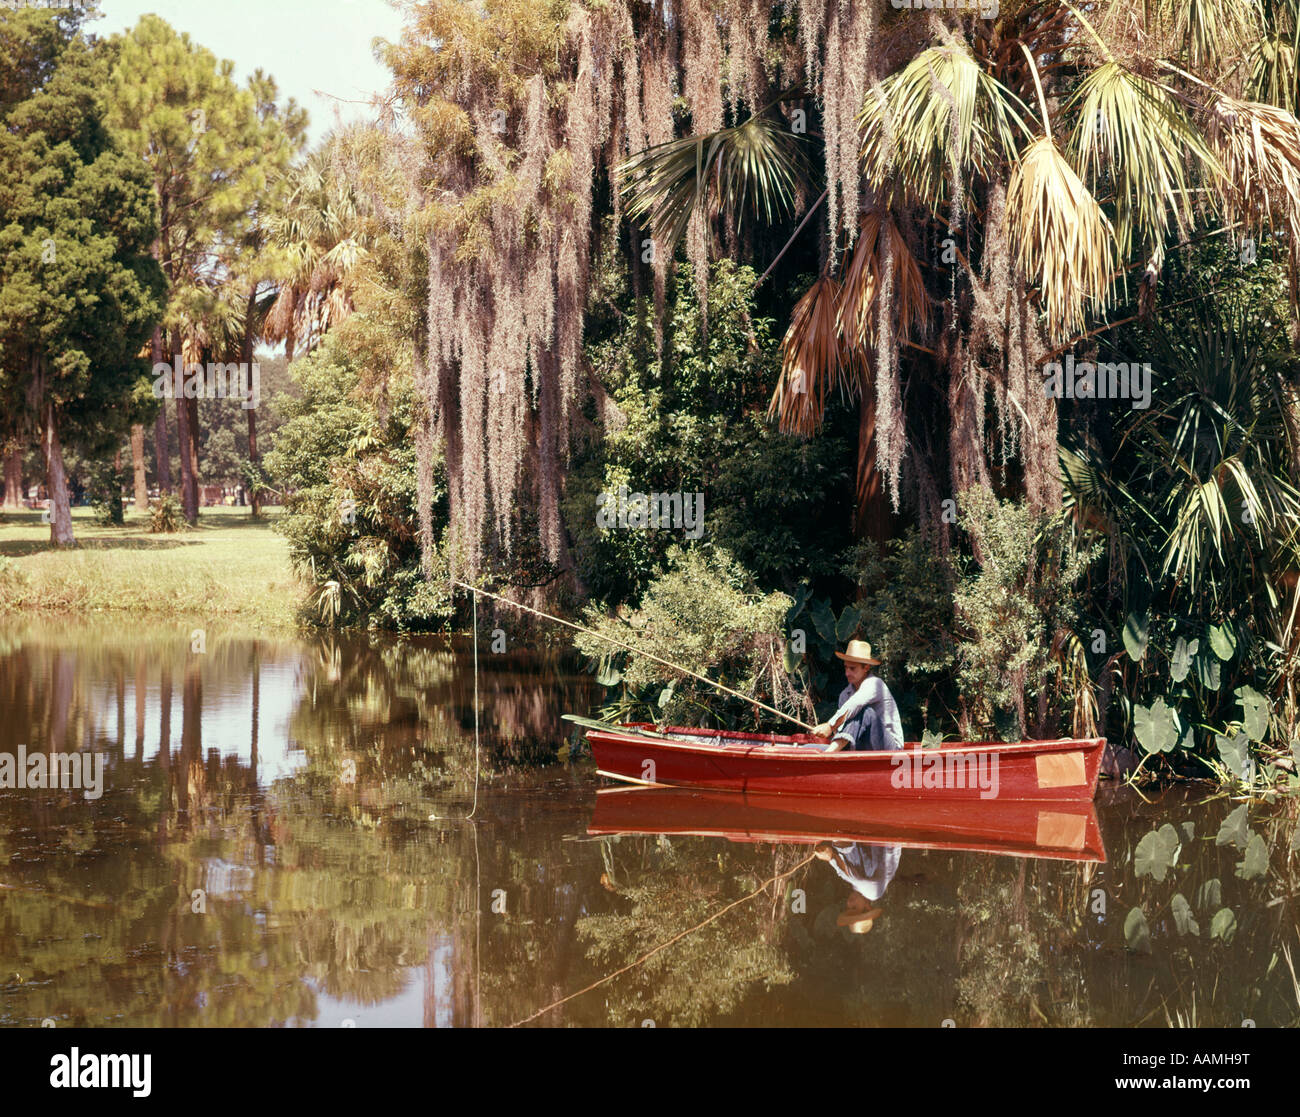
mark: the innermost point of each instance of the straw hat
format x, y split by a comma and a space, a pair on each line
859, 651
858, 922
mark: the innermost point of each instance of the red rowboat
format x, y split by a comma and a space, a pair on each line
1061, 830
767, 763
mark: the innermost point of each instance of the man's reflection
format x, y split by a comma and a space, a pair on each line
867, 869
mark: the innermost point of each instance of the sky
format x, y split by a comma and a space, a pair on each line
318, 51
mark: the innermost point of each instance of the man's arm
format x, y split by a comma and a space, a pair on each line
867, 694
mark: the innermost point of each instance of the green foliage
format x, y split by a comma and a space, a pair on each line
1196, 501
352, 516
705, 614
1010, 605
166, 514
106, 485
695, 422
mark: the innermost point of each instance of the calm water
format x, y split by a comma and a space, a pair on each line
262, 854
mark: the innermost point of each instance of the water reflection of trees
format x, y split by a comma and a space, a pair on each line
333, 880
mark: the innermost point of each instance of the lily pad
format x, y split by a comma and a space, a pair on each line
1255, 863
1183, 918
1235, 829
1136, 932
1234, 751
1256, 710
1223, 925
1135, 635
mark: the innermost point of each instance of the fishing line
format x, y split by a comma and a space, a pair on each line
662, 946
468, 817
630, 648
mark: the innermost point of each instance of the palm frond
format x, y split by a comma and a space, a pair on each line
1133, 134
814, 360
940, 109
754, 168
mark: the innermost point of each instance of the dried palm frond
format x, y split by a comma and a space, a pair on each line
1209, 30
1258, 147
814, 360
1064, 242
862, 284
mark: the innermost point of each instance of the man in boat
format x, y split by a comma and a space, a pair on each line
867, 719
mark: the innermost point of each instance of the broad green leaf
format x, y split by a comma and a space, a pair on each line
665, 696
1234, 752
1223, 640
1207, 671
931, 739
823, 620
1235, 829
1255, 863
1223, 925
1155, 727
1256, 710
1188, 830
1136, 932
1181, 661
1182, 912
1209, 895
791, 660
848, 623
1135, 635
802, 592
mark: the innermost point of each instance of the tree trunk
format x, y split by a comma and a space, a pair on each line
246, 357
192, 407
189, 483
14, 479
162, 455
56, 483
871, 511
137, 462
189, 499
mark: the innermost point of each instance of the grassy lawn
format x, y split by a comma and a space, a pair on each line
229, 567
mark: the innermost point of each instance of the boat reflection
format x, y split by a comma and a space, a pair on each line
1065, 831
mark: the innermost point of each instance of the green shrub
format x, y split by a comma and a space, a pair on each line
166, 514
705, 614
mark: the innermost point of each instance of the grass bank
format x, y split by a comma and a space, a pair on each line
229, 567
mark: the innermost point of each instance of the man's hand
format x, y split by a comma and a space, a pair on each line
824, 730
836, 745
823, 851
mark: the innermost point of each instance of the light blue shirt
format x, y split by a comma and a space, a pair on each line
872, 694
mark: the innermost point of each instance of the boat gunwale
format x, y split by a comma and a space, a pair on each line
799, 751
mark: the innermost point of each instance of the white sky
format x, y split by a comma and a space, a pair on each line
317, 50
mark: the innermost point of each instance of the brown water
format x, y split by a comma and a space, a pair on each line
275, 864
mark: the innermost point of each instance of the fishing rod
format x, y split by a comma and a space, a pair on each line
634, 651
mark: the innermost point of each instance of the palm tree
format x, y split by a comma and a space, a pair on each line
319, 235
1014, 172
